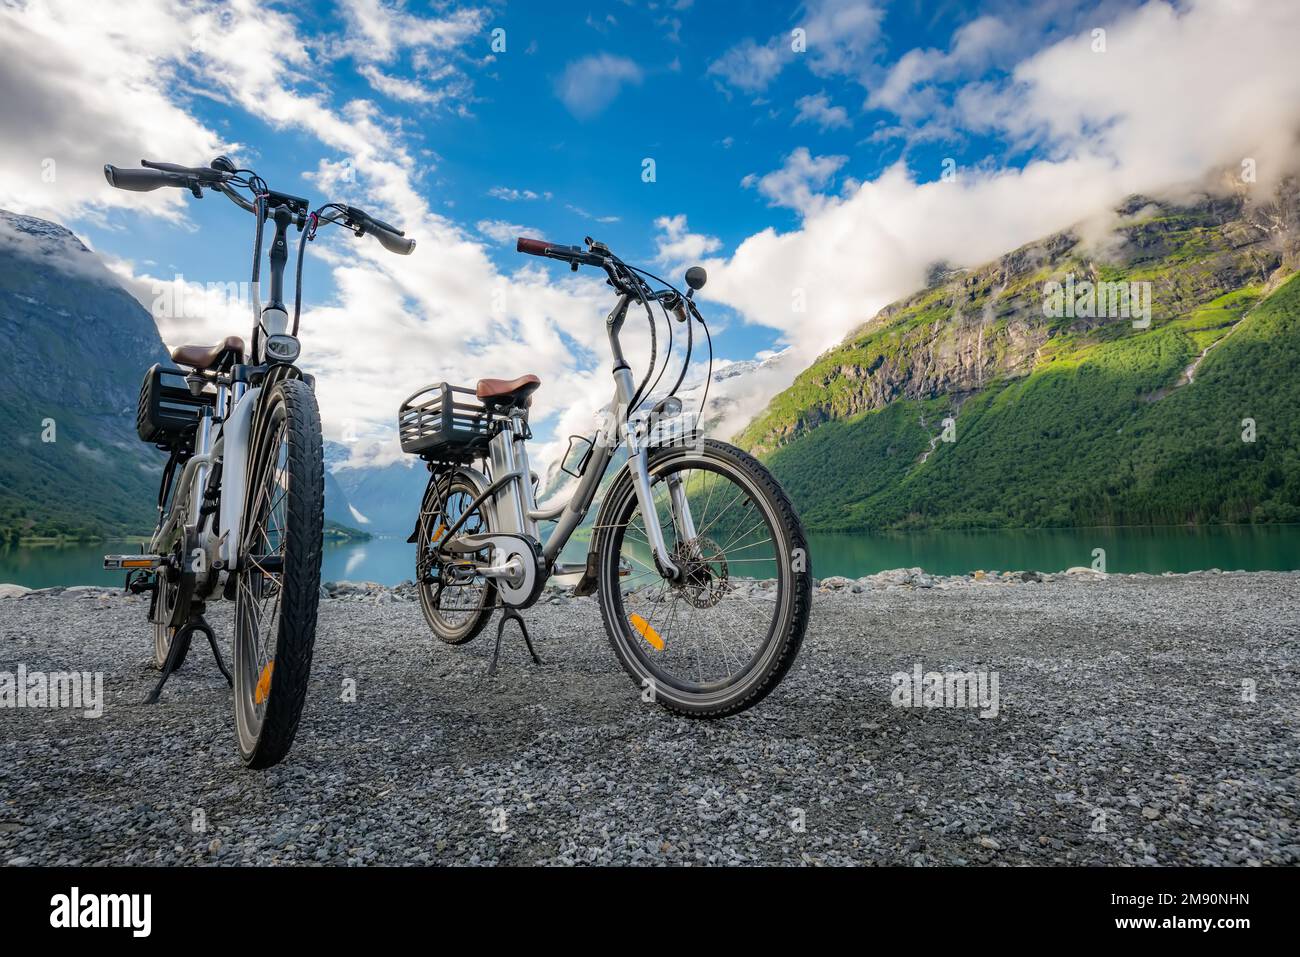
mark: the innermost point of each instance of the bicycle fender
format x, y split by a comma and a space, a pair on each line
235, 432
473, 476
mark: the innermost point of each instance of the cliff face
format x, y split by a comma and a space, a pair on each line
77, 349
974, 327
1064, 405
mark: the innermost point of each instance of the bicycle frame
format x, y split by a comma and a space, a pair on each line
509, 494
223, 435
213, 482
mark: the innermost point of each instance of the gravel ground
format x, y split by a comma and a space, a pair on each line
1123, 737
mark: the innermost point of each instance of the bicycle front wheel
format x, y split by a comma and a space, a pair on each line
278, 583
719, 637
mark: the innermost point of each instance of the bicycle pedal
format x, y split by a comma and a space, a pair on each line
119, 562
138, 586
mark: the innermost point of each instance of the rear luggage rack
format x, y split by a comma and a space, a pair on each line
444, 422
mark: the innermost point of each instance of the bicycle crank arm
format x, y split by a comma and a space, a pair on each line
516, 566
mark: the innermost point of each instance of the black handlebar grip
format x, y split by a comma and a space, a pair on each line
140, 180
390, 240
534, 247
166, 167
209, 175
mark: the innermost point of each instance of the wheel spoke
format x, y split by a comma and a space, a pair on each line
709, 632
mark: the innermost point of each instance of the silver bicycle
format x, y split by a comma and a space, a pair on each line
698, 558
240, 506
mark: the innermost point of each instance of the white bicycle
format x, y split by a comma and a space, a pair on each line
699, 559
240, 505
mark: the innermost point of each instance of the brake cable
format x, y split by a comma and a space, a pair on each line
668, 352
635, 283
690, 340
304, 237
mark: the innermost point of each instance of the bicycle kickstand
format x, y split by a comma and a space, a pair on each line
511, 614
181, 641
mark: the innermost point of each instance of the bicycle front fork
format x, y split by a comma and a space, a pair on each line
683, 523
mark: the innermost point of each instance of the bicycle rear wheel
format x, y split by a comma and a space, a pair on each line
456, 607
278, 583
720, 638
171, 606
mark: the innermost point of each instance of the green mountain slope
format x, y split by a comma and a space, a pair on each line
1065, 421
77, 347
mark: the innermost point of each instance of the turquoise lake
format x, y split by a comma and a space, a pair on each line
1154, 550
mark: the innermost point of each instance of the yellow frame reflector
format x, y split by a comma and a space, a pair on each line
645, 631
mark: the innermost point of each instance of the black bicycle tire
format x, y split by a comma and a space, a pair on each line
300, 591
621, 498
423, 589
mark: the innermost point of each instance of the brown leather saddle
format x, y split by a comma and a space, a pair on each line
221, 356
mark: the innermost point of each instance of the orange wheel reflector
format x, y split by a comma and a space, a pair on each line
263, 689
645, 631
438, 533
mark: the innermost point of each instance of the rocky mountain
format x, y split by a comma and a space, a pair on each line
1092, 377
77, 349
379, 499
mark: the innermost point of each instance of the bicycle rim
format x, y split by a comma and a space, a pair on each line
260, 583
715, 630
452, 608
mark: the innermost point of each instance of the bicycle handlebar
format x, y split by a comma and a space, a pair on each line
141, 180
390, 237
574, 255
219, 175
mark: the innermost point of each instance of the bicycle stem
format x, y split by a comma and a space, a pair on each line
279, 256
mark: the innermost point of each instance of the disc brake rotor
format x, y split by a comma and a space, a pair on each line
706, 576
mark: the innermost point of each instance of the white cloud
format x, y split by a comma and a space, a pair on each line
1178, 93
410, 91
579, 211
502, 232
840, 37
510, 194
677, 245
379, 31
85, 85
816, 108
187, 311
751, 66
972, 46
591, 84
797, 182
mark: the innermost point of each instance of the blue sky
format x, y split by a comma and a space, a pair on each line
539, 135
818, 174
